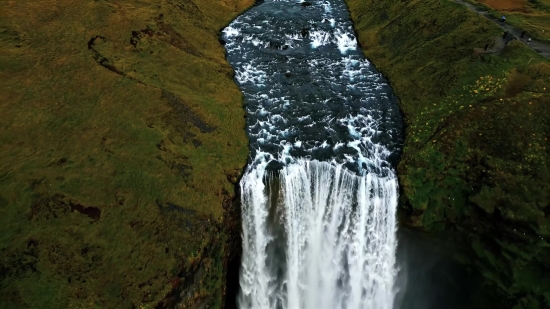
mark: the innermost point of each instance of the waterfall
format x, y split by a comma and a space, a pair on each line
317, 236
320, 193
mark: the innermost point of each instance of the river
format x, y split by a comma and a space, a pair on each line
319, 195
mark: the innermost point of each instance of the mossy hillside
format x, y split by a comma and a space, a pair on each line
122, 132
476, 157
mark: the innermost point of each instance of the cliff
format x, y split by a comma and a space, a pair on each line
474, 169
121, 142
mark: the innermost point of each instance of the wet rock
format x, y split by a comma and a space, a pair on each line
305, 3
287, 74
274, 165
274, 45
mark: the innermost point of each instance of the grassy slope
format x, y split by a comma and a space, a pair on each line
533, 16
476, 157
116, 153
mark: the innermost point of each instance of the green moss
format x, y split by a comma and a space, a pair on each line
122, 128
475, 160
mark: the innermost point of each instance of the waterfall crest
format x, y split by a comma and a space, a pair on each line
317, 236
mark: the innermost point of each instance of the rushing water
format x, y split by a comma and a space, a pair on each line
320, 193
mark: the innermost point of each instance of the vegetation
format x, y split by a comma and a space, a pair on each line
533, 16
121, 141
476, 158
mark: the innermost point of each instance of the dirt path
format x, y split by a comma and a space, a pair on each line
538, 46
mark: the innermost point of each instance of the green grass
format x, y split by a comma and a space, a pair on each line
476, 158
76, 133
534, 18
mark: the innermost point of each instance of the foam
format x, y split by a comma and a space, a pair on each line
319, 38
346, 41
329, 54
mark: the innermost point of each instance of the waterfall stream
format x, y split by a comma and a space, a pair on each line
320, 193
324, 239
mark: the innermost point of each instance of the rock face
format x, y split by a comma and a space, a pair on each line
474, 169
121, 143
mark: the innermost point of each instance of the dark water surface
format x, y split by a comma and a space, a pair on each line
308, 89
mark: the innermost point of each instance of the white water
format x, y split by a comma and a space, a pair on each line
339, 240
315, 235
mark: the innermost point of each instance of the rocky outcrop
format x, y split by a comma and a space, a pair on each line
121, 142
474, 169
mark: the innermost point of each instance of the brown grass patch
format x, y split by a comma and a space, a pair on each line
517, 83
506, 5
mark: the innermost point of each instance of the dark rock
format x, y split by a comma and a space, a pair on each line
196, 143
274, 165
61, 161
93, 213
134, 40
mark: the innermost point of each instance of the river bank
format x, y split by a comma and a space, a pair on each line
474, 168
